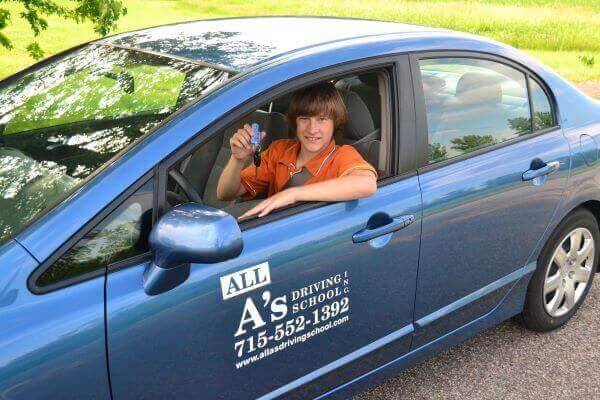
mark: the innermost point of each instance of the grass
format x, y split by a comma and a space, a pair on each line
78, 97
556, 32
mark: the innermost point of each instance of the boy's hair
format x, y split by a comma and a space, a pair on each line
320, 99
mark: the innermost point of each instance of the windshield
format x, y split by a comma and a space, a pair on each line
61, 122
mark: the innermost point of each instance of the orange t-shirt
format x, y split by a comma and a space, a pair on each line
278, 164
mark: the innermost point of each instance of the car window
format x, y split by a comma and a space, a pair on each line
542, 112
120, 90
472, 104
100, 82
121, 235
66, 119
364, 131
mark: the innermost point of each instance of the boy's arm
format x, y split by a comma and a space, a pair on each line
230, 182
359, 183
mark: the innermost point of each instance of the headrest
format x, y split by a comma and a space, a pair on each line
348, 83
369, 80
360, 123
478, 88
433, 84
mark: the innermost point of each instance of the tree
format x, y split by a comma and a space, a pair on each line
102, 13
542, 120
521, 125
472, 142
436, 152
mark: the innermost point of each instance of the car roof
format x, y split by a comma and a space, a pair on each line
237, 44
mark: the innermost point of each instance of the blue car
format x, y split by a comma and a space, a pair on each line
123, 276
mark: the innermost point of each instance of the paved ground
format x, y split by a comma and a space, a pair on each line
591, 89
509, 362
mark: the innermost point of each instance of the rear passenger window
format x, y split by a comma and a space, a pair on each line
542, 112
472, 104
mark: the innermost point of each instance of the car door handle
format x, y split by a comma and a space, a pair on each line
548, 168
393, 225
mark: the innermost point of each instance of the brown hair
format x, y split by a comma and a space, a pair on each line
320, 99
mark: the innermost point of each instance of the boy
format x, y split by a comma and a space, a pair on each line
311, 168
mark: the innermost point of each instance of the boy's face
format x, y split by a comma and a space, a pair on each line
314, 133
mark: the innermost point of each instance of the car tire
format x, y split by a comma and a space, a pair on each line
555, 291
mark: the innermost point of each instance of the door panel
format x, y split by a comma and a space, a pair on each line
183, 343
481, 223
51, 345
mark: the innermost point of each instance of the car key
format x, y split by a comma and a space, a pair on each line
255, 140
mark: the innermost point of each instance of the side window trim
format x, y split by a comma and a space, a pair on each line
292, 210
396, 62
530, 100
33, 278
421, 117
421, 127
549, 96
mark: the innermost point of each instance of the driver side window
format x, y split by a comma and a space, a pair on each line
204, 166
365, 130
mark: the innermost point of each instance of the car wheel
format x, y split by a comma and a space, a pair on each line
564, 273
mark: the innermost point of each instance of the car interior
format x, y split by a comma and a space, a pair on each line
362, 94
472, 102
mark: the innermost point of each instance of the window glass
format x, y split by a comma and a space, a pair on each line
363, 130
64, 120
542, 112
471, 104
121, 235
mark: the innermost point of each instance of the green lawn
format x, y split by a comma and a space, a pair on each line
79, 96
556, 32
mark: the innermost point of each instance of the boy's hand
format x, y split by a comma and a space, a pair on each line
278, 200
241, 148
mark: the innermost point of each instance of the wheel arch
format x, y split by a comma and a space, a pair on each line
594, 207
591, 205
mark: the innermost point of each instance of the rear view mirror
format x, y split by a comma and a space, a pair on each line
189, 233
124, 79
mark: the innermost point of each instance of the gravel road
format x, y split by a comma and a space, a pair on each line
509, 362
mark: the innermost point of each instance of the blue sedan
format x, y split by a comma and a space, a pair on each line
123, 276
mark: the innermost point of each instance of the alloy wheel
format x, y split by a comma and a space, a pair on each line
568, 272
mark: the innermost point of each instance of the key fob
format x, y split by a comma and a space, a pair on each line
255, 140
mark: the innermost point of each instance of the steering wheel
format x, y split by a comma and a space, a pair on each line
189, 190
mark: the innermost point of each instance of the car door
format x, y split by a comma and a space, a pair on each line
51, 343
316, 287
491, 181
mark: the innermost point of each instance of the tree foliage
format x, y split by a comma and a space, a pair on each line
103, 14
472, 142
436, 152
521, 125
542, 120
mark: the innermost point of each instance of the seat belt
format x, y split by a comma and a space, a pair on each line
298, 179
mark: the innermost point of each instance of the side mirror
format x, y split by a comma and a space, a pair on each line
189, 233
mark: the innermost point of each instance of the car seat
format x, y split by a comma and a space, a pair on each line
204, 167
359, 130
477, 110
367, 87
436, 99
